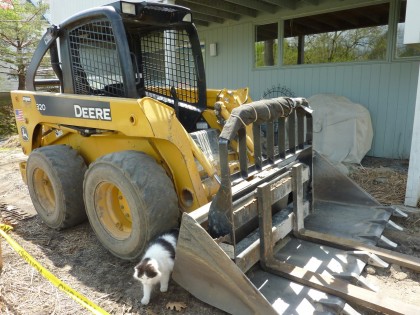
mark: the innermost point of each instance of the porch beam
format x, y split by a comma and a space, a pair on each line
200, 22
289, 4
208, 18
213, 11
313, 2
256, 5
223, 6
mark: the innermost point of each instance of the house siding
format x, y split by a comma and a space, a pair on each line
7, 84
386, 89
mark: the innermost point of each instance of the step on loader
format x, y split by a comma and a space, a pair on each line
121, 129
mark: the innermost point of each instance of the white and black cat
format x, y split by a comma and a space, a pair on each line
157, 264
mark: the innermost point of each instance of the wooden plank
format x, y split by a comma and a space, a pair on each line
251, 255
340, 242
330, 84
280, 187
265, 222
381, 118
247, 258
356, 80
392, 111
406, 104
363, 97
403, 120
343, 289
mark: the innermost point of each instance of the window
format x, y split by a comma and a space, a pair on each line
94, 59
350, 35
402, 50
266, 45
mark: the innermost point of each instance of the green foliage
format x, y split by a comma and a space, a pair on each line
290, 47
402, 50
20, 31
7, 118
259, 54
260, 51
408, 50
340, 46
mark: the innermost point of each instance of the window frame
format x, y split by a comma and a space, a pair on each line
390, 53
254, 36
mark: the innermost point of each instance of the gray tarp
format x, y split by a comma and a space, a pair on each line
260, 111
342, 129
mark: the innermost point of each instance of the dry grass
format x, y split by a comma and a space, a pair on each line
385, 184
11, 142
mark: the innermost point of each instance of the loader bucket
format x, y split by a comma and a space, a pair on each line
343, 209
247, 252
207, 272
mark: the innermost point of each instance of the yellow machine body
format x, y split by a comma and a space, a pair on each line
145, 125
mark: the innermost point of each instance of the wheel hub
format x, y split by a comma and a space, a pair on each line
45, 191
113, 210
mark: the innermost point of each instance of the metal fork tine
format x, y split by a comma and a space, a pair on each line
257, 146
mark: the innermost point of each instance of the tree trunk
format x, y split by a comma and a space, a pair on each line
21, 80
20, 68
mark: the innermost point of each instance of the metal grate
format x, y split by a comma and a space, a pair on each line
94, 58
168, 62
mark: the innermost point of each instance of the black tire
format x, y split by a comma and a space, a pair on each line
55, 182
129, 200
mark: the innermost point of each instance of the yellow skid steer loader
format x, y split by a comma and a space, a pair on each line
132, 140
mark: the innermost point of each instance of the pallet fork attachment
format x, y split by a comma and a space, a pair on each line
246, 252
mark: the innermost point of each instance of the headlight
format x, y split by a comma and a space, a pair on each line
128, 8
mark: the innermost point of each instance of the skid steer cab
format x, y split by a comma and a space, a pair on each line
129, 137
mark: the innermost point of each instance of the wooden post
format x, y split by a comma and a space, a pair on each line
411, 36
301, 50
412, 194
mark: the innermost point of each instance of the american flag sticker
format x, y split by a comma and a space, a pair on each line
19, 115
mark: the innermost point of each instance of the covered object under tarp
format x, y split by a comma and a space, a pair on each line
342, 129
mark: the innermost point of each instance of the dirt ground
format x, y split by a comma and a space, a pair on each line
76, 257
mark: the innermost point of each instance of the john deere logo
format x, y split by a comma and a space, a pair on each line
92, 112
48, 105
24, 133
26, 99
